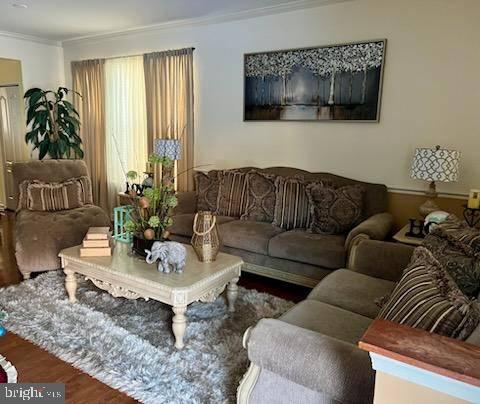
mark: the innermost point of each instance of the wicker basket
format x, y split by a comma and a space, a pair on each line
205, 240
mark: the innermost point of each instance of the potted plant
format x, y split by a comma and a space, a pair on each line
54, 124
151, 215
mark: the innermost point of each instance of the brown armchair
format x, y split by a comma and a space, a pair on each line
39, 236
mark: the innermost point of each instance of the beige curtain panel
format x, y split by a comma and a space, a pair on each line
169, 92
88, 79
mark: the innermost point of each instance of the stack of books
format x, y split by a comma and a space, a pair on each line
97, 243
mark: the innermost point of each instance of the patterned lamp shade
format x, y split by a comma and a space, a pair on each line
171, 148
435, 165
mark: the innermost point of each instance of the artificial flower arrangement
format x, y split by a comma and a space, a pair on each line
151, 214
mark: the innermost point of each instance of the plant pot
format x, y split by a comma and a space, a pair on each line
140, 245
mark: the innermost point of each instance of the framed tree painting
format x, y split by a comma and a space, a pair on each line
327, 83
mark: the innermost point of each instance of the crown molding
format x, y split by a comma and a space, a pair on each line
194, 22
30, 38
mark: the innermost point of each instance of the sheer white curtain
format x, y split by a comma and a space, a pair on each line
126, 122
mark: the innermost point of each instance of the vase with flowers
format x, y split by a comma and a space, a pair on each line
151, 214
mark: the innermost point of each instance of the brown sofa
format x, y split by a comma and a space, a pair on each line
310, 354
296, 256
39, 236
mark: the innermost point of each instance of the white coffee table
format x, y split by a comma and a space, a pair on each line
126, 275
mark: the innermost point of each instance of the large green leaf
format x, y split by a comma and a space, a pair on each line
69, 106
44, 145
32, 91
35, 97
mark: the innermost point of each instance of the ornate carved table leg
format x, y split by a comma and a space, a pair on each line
179, 325
232, 293
70, 284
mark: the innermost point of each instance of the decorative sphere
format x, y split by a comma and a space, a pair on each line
166, 234
434, 219
144, 202
149, 234
3, 331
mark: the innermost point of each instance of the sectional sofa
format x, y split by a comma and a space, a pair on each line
310, 354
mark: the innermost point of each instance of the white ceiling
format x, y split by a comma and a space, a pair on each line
59, 20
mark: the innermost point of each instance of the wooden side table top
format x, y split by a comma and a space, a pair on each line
401, 237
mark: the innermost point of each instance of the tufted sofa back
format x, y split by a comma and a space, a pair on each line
47, 171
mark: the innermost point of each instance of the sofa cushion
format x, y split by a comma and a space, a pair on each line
247, 235
352, 291
317, 249
232, 193
183, 224
335, 210
207, 185
328, 320
41, 235
426, 297
261, 197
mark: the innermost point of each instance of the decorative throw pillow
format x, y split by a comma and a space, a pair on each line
85, 188
335, 210
459, 233
426, 297
292, 208
54, 196
261, 197
232, 193
207, 185
449, 244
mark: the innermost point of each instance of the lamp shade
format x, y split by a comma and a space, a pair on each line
435, 164
171, 148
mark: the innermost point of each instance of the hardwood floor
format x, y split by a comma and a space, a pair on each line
36, 365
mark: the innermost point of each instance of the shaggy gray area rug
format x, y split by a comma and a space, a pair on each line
128, 344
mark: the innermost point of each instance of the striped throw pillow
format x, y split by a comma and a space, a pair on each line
54, 196
84, 182
232, 193
426, 297
292, 208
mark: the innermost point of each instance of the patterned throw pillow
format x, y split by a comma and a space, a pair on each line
54, 196
85, 187
292, 208
232, 193
426, 297
459, 233
455, 246
207, 185
335, 210
261, 197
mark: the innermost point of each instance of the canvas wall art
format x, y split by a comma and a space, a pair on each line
327, 83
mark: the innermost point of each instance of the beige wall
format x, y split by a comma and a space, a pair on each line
431, 88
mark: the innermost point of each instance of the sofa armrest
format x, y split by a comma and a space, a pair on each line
316, 361
187, 203
380, 259
376, 227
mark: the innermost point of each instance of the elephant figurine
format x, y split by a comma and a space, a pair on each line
172, 256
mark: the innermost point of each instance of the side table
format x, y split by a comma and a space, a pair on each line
401, 237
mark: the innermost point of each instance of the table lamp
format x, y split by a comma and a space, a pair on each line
434, 165
171, 148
